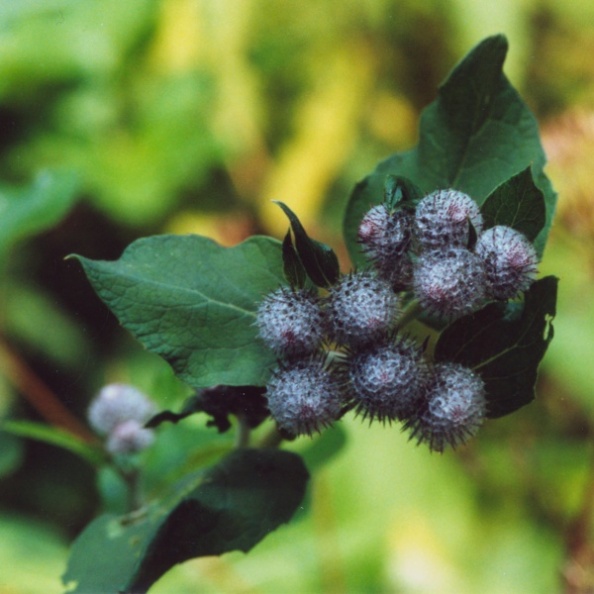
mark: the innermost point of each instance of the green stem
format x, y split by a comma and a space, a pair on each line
242, 437
130, 474
272, 439
410, 313
132, 479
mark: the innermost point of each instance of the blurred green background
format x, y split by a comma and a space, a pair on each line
122, 119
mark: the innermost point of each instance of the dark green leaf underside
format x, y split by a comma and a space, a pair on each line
219, 403
505, 346
231, 507
517, 203
319, 260
292, 266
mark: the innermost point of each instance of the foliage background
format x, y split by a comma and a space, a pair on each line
122, 119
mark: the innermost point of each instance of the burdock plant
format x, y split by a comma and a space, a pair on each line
277, 342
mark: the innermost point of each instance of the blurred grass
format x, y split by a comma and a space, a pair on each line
190, 116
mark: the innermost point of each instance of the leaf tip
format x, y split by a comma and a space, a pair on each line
500, 38
498, 41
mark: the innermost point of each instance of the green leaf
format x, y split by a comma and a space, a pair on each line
57, 437
472, 235
325, 447
517, 203
400, 191
231, 507
504, 345
32, 209
319, 260
194, 303
474, 137
292, 265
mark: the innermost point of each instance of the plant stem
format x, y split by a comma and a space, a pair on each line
45, 402
242, 437
132, 479
272, 439
410, 313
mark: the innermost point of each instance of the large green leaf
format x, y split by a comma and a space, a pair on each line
31, 209
194, 302
231, 507
505, 344
474, 137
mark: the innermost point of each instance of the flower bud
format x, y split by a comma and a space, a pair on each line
116, 404
386, 380
450, 284
385, 238
455, 407
509, 260
304, 396
442, 220
291, 322
129, 437
361, 309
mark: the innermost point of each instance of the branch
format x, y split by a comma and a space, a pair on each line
45, 402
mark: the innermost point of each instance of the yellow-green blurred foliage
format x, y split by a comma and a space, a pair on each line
191, 116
